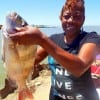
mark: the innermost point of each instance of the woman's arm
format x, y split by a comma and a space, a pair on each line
40, 55
76, 64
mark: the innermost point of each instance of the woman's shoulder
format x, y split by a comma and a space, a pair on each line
93, 33
91, 37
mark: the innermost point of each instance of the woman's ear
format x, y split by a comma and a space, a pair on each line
84, 18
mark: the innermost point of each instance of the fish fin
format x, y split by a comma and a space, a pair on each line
25, 95
3, 49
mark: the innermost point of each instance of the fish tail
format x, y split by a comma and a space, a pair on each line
25, 95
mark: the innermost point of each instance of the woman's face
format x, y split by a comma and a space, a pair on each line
72, 20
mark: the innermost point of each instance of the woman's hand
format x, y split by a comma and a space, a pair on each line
27, 35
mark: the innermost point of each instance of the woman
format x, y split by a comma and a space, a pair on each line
70, 54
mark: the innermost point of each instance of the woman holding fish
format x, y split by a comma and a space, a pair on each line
70, 54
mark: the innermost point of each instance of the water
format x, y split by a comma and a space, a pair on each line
47, 31
57, 30
53, 30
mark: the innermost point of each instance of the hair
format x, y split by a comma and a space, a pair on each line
72, 4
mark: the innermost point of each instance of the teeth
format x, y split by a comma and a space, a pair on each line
70, 27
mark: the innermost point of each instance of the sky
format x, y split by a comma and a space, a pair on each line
46, 12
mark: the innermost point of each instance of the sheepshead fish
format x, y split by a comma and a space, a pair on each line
18, 59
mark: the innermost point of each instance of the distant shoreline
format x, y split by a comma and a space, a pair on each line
39, 26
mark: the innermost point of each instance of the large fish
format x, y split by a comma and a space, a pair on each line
18, 59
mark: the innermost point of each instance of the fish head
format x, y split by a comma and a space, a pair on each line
12, 21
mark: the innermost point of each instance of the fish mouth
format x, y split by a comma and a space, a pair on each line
12, 31
12, 21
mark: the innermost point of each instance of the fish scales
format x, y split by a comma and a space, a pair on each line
18, 59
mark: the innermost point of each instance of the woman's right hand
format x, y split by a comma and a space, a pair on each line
27, 35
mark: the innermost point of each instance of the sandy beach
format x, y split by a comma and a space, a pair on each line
40, 87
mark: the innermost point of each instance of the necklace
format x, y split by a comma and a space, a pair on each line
65, 40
